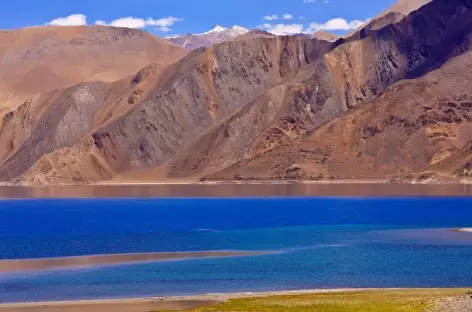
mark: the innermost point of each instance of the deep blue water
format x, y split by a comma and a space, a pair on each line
317, 243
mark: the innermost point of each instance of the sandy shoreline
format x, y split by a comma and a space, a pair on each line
20, 265
119, 305
155, 303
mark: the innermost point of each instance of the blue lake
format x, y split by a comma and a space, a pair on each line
316, 243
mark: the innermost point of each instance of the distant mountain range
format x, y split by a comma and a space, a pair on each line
390, 101
217, 35
220, 34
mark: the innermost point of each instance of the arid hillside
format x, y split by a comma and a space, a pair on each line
41, 59
324, 35
346, 80
415, 126
256, 33
407, 6
394, 14
162, 118
390, 101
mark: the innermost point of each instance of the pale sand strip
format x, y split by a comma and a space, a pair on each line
128, 305
103, 260
154, 304
465, 230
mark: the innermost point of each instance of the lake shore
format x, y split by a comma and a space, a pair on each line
20, 265
410, 297
176, 303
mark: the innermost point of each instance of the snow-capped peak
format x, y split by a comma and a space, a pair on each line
240, 30
172, 37
216, 35
217, 28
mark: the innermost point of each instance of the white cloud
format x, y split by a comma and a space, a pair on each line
283, 29
271, 17
71, 20
129, 22
275, 17
336, 24
163, 24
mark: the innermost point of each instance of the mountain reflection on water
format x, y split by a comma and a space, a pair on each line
238, 190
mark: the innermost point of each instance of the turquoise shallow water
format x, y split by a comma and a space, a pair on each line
316, 243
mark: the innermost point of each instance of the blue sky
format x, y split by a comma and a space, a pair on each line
170, 17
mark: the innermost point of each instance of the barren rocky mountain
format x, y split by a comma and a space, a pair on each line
193, 95
350, 76
324, 35
41, 59
407, 6
414, 126
394, 14
386, 102
255, 33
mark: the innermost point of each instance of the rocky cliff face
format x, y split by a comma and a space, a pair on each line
388, 101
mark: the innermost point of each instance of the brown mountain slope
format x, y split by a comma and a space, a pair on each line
255, 33
396, 13
392, 15
458, 166
414, 125
407, 6
353, 73
60, 118
275, 118
41, 59
324, 35
203, 88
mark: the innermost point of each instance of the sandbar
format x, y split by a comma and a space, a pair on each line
465, 230
18, 265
